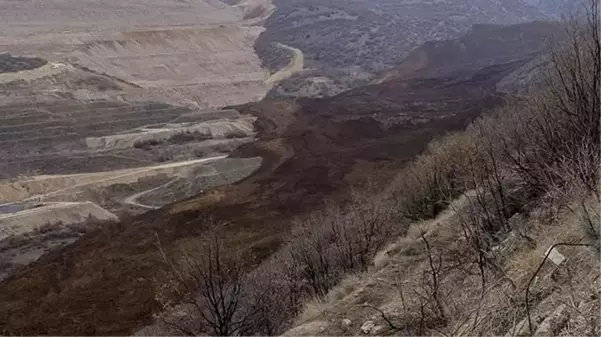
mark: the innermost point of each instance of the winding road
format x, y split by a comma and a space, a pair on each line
297, 64
132, 199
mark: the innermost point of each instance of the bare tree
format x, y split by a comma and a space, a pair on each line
556, 139
311, 248
370, 222
214, 282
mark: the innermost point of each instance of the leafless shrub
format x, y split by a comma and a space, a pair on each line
553, 143
213, 282
311, 248
274, 296
342, 239
546, 145
555, 140
426, 185
453, 292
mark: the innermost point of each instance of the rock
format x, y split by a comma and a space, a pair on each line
377, 329
554, 322
367, 327
555, 256
346, 323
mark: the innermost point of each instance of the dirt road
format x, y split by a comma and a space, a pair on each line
104, 177
297, 63
132, 199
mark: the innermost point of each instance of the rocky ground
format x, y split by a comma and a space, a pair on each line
384, 300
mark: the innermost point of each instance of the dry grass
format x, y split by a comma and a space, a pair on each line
395, 281
317, 305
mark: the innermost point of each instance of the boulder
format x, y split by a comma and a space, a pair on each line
368, 327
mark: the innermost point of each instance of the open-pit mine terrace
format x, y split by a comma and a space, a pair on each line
186, 52
112, 107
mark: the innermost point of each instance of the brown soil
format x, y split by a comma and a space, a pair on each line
105, 282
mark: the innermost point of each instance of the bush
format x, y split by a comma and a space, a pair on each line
426, 185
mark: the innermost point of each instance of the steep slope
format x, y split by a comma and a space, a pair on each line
482, 45
60, 119
106, 282
385, 300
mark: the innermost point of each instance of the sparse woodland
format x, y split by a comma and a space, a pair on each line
454, 246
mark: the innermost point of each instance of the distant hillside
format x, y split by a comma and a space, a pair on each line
354, 40
555, 8
482, 45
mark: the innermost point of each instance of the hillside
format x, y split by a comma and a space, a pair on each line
108, 281
180, 52
386, 299
60, 120
348, 43
496, 237
80, 148
480, 46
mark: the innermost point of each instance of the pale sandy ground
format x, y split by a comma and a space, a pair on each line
215, 129
36, 189
188, 183
43, 186
297, 64
196, 52
63, 212
49, 69
133, 199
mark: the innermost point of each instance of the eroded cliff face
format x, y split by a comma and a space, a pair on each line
183, 52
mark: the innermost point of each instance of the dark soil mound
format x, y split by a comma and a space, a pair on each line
11, 64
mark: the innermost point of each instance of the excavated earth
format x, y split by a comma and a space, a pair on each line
181, 52
103, 103
106, 282
92, 109
96, 87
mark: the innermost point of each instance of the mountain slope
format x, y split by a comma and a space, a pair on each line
482, 45
107, 282
349, 42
